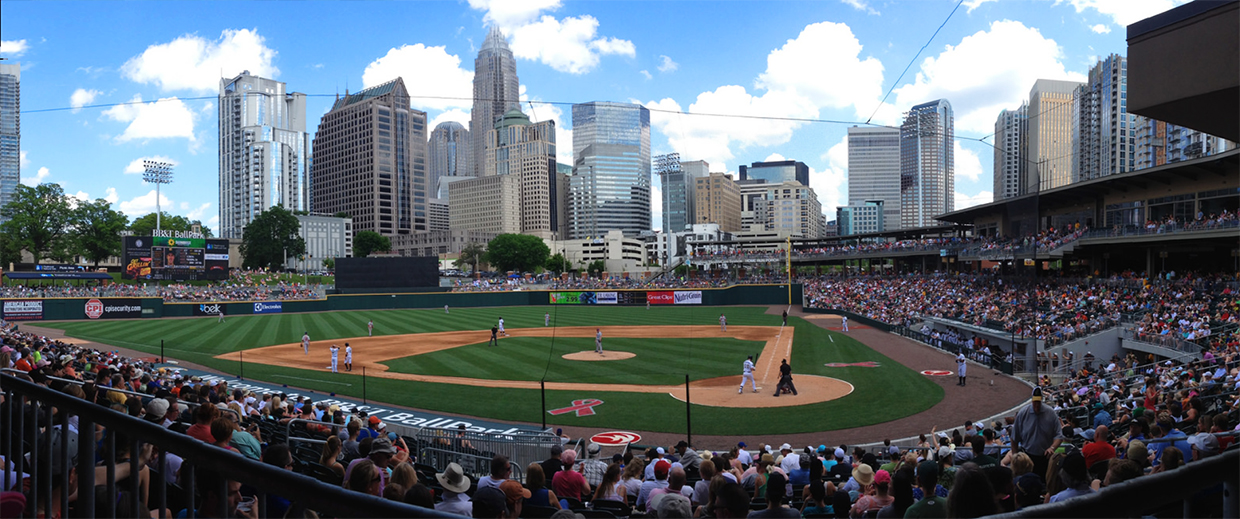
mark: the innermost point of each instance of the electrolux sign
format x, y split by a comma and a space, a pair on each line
268, 308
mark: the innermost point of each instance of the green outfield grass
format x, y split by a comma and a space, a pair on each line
882, 394
658, 361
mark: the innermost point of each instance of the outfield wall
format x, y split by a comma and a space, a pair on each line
58, 309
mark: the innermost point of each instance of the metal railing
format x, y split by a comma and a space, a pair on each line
473, 451
1163, 341
205, 468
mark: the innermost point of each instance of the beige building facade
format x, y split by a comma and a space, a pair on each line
717, 199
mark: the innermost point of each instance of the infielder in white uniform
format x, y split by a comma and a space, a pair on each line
305, 342
370, 328
961, 366
546, 319
844, 319
348, 357
723, 323
335, 351
747, 375
501, 327
598, 341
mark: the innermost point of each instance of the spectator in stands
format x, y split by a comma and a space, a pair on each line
455, 485
611, 488
514, 496
632, 479
673, 506
209, 483
421, 495
875, 497
731, 501
675, 485
971, 494
592, 467
569, 483
1204, 444
536, 482
500, 470
278, 455
554, 463
222, 431
1172, 458
901, 493
404, 474
775, 491
1165, 429
661, 469
817, 502
701, 487
1037, 432
932, 505
490, 503
365, 477
1100, 449
372, 428
1074, 473
331, 453
56, 466
348, 447
203, 417
689, 458
1120, 471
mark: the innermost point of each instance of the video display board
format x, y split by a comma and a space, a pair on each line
175, 259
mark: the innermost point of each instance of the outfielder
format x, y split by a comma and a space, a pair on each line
501, 327
723, 323
370, 328
546, 319
348, 357
598, 341
844, 319
445, 309
747, 375
335, 352
221, 314
305, 342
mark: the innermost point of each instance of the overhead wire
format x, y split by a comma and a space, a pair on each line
912, 61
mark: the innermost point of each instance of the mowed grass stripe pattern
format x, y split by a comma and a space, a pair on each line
657, 361
882, 394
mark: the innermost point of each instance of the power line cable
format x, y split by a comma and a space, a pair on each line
912, 61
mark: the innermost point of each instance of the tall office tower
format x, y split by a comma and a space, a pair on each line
1104, 139
496, 91
874, 170
794, 210
927, 164
1009, 169
610, 186
370, 161
676, 180
10, 130
1049, 134
265, 151
718, 200
776, 172
526, 150
753, 205
451, 155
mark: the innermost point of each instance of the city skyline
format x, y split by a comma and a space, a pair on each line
566, 52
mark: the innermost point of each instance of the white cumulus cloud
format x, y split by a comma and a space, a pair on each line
454, 114
667, 65
165, 118
82, 97
110, 195
569, 45
13, 48
510, 13
831, 184
861, 5
434, 78
540, 112
197, 212
38, 178
974, 4
645, 74
1125, 12
145, 204
22, 160
1100, 29
986, 72
136, 167
964, 201
968, 163
194, 63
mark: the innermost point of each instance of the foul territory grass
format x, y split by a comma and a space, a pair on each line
888, 392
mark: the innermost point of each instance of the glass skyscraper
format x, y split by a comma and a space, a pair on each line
927, 164
496, 90
10, 130
451, 155
610, 185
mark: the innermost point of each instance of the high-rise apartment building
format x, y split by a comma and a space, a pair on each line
496, 91
1009, 167
1104, 139
370, 161
1160, 143
874, 170
326, 237
450, 154
526, 150
1049, 134
676, 180
610, 185
753, 205
793, 210
10, 130
776, 172
927, 164
717, 200
265, 153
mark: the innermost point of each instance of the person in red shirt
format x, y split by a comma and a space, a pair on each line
1100, 449
203, 416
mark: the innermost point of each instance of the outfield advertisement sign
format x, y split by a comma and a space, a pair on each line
113, 308
573, 298
606, 298
208, 309
660, 298
691, 297
268, 308
626, 298
23, 310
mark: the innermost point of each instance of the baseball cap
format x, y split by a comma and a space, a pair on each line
374, 420
382, 446
1037, 394
785, 447
513, 490
741, 445
882, 476
659, 450
661, 468
157, 407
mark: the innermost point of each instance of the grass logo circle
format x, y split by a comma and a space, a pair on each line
616, 438
94, 309
935, 373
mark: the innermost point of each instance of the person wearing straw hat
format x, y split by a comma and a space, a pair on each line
455, 484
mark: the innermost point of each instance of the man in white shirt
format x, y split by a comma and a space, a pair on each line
335, 352
348, 357
961, 365
501, 327
455, 484
747, 375
790, 461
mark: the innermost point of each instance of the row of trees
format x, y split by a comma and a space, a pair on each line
520, 253
274, 237
50, 224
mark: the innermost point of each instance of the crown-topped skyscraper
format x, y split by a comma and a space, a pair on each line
496, 91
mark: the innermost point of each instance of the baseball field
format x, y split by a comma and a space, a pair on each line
429, 359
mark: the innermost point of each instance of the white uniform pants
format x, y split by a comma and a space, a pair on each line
748, 377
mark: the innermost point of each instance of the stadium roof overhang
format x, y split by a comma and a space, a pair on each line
57, 275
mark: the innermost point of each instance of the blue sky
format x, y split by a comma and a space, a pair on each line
828, 59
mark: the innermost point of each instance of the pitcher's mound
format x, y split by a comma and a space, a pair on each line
591, 355
721, 392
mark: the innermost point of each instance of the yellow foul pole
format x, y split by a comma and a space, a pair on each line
788, 251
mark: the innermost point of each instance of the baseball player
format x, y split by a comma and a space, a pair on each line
348, 357
598, 341
494, 337
445, 309
961, 366
785, 318
844, 319
305, 342
546, 319
723, 323
370, 328
501, 327
747, 375
221, 314
335, 352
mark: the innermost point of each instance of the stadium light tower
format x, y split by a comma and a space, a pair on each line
157, 172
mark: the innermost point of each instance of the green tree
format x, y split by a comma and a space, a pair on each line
39, 220
270, 238
343, 214
145, 225
558, 264
471, 255
329, 263
517, 252
596, 268
681, 270
96, 230
366, 242
10, 251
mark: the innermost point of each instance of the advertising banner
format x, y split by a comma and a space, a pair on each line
606, 298
572, 298
692, 297
180, 259
268, 308
23, 310
113, 308
211, 309
660, 298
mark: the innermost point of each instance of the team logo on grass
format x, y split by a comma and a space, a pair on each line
866, 364
936, 373
616, 438
583, 407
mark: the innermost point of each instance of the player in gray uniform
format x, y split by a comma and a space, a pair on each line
598, 341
